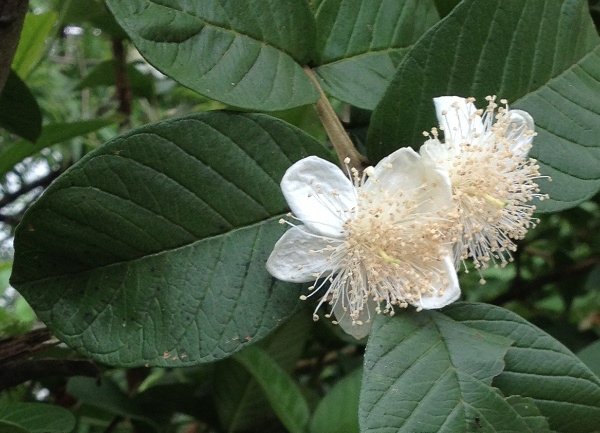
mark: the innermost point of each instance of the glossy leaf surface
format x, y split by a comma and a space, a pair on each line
152, 249
360, 43
524, 51
247, 54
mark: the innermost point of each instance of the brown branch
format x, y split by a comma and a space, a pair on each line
521, 288
43, 181
16, 368
123, 87
16, 373
21, 346
335, 130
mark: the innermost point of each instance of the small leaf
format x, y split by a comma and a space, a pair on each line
106, 395
538, 367
282, 392
19, 111
360, 43
54, 133
427, 372
36, 418
337, 412
246, 53
152, 249
524, 51
32, 42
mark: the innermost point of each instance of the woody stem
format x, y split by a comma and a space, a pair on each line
340, 140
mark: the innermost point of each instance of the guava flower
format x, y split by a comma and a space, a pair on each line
374, 242
493, 181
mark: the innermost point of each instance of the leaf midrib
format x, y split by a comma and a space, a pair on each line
364, 54
24, 283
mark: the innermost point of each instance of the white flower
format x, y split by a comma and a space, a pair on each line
379, 240
493, 180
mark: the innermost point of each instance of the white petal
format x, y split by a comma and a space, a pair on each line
345, 321
457, 118
298, 256
451, 291
520, 131
400, 170
433, 152
319, 194
405, 171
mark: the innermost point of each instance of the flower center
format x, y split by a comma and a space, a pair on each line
493, 184
393, 249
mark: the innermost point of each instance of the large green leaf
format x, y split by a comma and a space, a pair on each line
360, 43
152, 249
543, 56
19, 110
539, 367
36, 418
282, 392
426, 372
243, 53
54, 133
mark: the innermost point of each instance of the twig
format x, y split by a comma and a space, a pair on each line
44, 181
20, 346
335, 130
113, 424
122, 84
16, 373
522, 288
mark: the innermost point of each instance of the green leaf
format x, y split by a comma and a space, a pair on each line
590, 356
36, 418
32, 42
530, 413
445, 6
426, 372
240, 400
9, 427
525, 51
247, 54
5, 270
106, 395
337, 412
152, 249
361, 42
93, 12
539, 367
103, 74
282, 392
19, 111
54, 133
